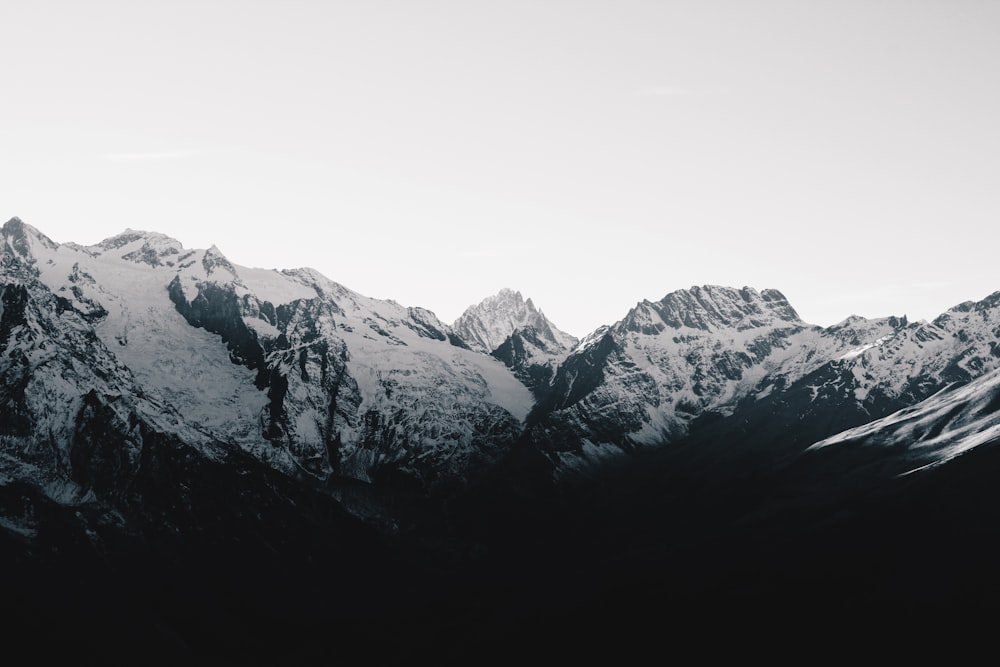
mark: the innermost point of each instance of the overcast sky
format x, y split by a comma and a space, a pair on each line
588, 154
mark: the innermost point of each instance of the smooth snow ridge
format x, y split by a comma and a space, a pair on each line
949, 423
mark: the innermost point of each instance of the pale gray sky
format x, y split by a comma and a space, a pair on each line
589, 154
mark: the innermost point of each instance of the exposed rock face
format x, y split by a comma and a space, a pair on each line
710, 308
516, 333
531, 357
74, 419
658, 373
304, 374
489, 323
644, 379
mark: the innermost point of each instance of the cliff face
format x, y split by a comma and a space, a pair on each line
300, 372
668, 366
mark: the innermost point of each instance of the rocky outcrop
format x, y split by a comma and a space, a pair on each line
486, 325
73, 417
302, 373
514, 331
643, 380
670, 367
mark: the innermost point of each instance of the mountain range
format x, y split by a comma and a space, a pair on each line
203, 461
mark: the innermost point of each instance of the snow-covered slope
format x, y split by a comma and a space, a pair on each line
643, 379
73, 417
958, 418
647, 379
299, 371
372, 383
922, 357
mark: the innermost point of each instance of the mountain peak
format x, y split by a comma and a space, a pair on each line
710, 307
131, 236
19, 236
143, 247
503, 298
486, 325
14, 230
214, 260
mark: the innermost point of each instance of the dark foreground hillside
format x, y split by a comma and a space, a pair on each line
244, 567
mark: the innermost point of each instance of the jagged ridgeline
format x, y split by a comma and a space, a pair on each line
161, 400
297, 370
312, 378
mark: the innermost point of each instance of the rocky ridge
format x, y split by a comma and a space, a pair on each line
652, 377
297, 370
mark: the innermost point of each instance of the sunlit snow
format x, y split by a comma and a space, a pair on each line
939, 428
395, 361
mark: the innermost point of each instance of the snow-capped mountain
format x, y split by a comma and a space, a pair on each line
187, 443
514, 331
649, 378
73, 417
488, 324
311, 377
295, 369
